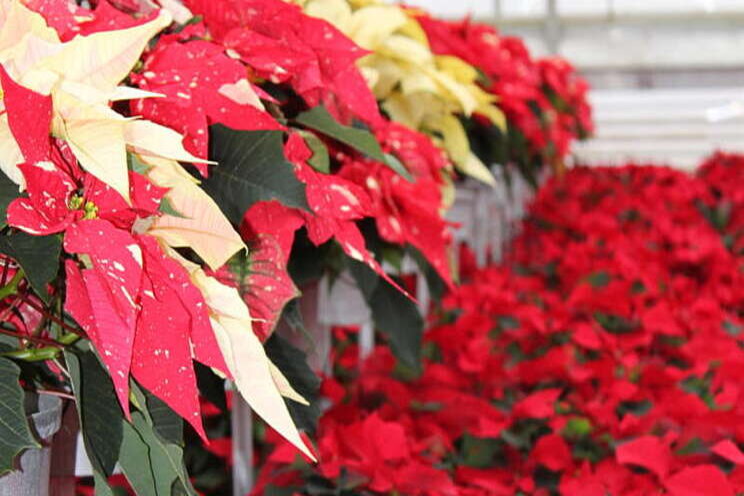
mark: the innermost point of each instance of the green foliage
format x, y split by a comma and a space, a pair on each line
14, 429
149, 449
319, 119
293, 364
251, 168
8, 193
396, 316
38, 256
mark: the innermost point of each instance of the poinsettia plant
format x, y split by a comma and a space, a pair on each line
166, 173
544, 99
155, 175
603, 358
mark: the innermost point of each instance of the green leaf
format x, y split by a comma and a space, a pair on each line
148, 449
211, 386
15, 432
577, 427
320, 161
166, 422
151, 465
437, 286
251, 168
137, 165
101, 418
166, 207
293, 364
598, 279
397, 166
38, 256
319, 119
157, 430
480, 452
396, 316
8, 193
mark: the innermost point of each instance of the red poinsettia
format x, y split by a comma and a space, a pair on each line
407, 211
336, 204
309, 54
200, 85
608, 363
124, 290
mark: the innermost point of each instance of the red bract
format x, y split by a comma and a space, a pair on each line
200, 85
69, 19
126, 293
604, 360
29, 117
309, 54
407, 211
336, 204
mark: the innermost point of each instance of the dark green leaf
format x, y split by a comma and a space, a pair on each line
293, 364
319, 119
437, 286
320, 161
292, 315
38, 256
251, 168
167, 208
211, 386
15, 433
161, 430
396, 316
614, 324
731, 328
479, 452
136, 463
151, 465
598, 279
166, 422
8, 193
101, 418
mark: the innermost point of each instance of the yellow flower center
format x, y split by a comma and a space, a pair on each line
90, 209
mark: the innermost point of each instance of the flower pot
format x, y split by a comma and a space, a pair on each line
33, 477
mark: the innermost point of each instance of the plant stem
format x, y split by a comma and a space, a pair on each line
39, 340
12, 287
34, 354
4, 314
54, 318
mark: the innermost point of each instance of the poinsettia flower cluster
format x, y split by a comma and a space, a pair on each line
723, 173
316, 62
103, 181
97, 124
545, 100
603, 358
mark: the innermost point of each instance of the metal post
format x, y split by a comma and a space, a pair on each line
242, 448
552, 27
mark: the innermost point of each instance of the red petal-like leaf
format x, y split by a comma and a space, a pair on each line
206, 350
552, 452
268, 286
112, 285
29, 118
161, 360
648, 452
702, 480
730, 451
